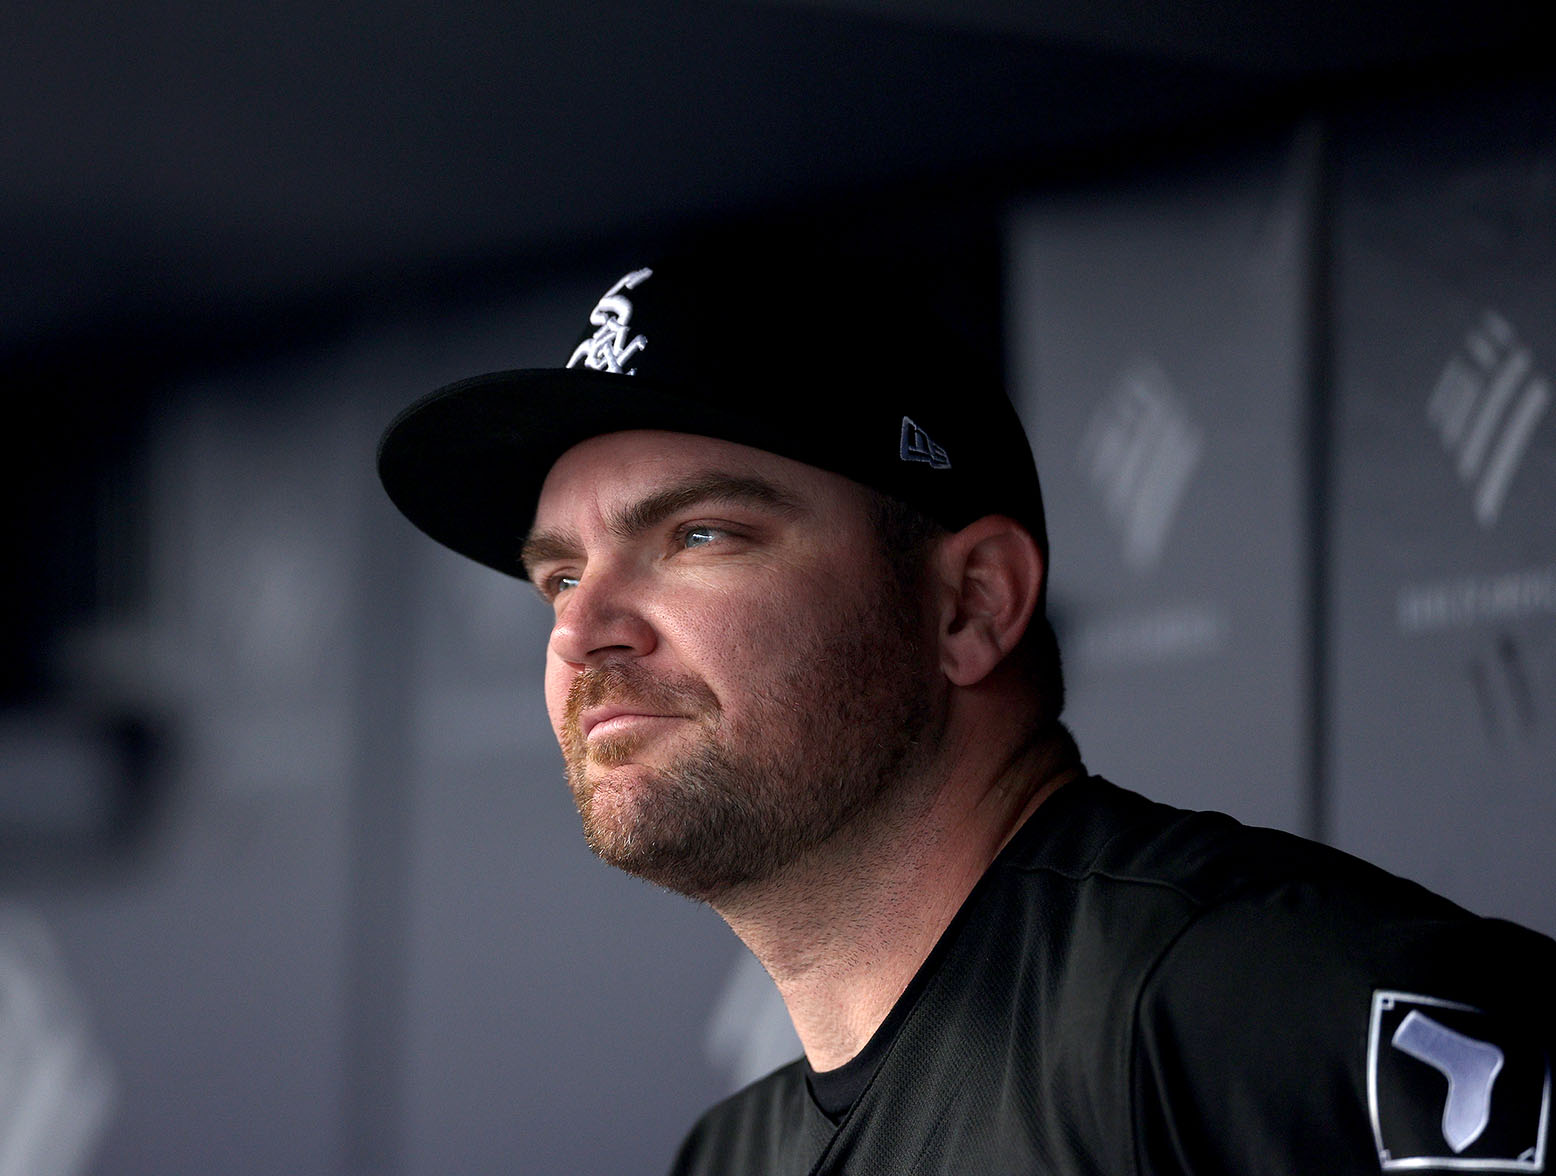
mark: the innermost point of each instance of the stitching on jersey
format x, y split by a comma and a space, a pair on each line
1198, 902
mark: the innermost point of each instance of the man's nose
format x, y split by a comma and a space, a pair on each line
601, 617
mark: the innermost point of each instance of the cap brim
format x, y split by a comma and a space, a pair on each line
466, 463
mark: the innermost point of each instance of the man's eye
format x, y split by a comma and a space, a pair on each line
560, 583
698, 536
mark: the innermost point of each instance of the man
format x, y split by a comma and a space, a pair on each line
791, 532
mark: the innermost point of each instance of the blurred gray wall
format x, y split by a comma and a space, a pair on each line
1290, 404
1442, 588
1159, 351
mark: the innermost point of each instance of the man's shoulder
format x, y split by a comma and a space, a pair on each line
1228, 957
1098, 832
1142, 897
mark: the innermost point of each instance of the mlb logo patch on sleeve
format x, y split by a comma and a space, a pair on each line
1452, 1089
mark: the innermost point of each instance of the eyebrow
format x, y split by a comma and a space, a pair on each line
634, 518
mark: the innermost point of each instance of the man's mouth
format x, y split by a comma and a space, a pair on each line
614, 719
621, 702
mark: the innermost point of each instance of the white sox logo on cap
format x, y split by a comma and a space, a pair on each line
611, 345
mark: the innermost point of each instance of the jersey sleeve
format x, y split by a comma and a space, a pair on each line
1297, 1032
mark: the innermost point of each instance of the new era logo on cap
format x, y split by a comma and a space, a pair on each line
917, 446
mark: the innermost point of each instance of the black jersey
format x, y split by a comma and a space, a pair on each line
1134, 989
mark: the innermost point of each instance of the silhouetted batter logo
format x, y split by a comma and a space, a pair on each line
1452, 1089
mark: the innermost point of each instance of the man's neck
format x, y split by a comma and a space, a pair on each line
844, 934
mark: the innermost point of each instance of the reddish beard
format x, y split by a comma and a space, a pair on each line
732, 799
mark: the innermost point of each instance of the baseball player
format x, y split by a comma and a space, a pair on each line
791, 533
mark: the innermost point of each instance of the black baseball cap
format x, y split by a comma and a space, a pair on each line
875, 366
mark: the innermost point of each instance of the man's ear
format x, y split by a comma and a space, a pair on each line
990, 575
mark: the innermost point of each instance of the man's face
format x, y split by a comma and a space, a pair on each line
733, 676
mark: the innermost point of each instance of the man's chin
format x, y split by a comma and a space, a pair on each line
612, 795
632, 823
663, 862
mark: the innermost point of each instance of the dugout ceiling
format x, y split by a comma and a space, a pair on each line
166, 167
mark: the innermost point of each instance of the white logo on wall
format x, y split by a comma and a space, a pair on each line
612, 343
1468, 601
1171, 632
1139, 452
57, 1089
1486, 406
1503, 679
